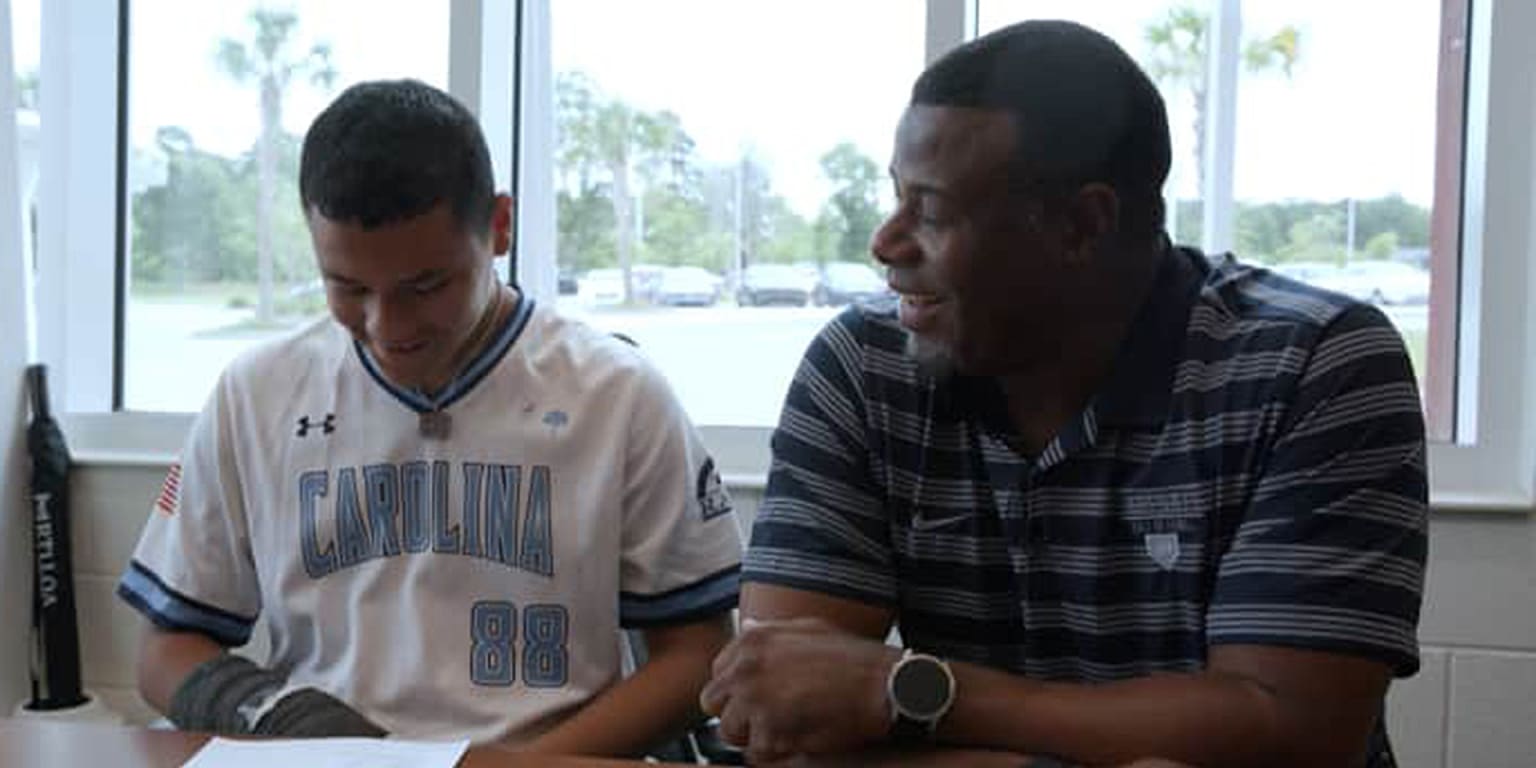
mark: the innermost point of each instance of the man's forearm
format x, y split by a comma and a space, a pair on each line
1207, 719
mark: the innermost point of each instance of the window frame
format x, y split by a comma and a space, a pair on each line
1493, 468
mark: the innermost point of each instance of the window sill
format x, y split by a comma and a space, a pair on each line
1511, 502
143, 440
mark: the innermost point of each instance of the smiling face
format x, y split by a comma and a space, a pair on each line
412, 292
986, 278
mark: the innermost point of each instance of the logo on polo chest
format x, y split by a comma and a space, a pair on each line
1163, 548
1165, 521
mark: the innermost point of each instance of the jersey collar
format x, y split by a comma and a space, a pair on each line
468, 377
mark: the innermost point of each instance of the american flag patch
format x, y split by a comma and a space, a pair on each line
170, 491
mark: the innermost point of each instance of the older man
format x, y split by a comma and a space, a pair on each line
1122, 499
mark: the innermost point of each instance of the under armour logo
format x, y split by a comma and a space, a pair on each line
326, 425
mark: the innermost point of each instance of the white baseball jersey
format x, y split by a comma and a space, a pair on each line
471, 586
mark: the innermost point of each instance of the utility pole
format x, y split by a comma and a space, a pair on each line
740, 257
1349, 248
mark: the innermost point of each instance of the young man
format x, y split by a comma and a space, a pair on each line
1123, 500
445, 500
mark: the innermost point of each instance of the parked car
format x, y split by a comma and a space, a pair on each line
844, 282
763, 284
643, 281
566, 284
1382, 282
686, 287
601, 286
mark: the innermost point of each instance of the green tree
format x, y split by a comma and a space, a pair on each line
855, 202
1381, 246
1294, 230
792, 239
1393, 214
188, 230
1319, 237
27, 90
1178, 55
194, 227
602, 137
677, 232
585, 229
269, 61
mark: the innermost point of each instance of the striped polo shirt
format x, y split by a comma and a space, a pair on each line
1252, 471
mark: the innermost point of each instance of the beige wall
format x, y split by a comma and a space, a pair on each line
1472, 706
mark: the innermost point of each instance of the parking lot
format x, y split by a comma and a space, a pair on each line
729, 365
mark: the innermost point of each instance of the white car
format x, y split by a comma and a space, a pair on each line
601, 287
765, 284
686, 287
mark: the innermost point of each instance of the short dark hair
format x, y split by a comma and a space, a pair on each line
1085, 111
389, 150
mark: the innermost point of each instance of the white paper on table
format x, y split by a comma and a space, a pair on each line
328, 753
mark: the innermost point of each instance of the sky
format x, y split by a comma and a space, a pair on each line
1356, 118
25, 33
789, 79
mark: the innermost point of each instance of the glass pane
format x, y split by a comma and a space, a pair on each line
1343, 197
1335, 164
1167, 38
728, 153
204, 153
26, 43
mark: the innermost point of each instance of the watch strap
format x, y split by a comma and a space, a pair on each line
910, 732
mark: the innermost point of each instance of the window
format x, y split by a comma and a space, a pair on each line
789, 76
719, 168
26, 41
1180, 26
1333, 153
219, 257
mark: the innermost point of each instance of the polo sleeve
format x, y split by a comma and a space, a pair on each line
821, 526
1330, 554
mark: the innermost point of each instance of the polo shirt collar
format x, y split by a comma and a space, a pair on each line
1140, 382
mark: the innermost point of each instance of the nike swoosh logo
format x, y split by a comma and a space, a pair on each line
920, 523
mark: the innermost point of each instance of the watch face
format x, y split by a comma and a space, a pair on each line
921, 687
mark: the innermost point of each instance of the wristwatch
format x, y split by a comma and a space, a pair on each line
920, 689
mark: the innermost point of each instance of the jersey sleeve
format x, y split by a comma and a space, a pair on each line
193, 569
822, 525
1330, 554
681, 543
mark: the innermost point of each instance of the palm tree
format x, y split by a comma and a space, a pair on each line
27, 90
1179, 56
266, 60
